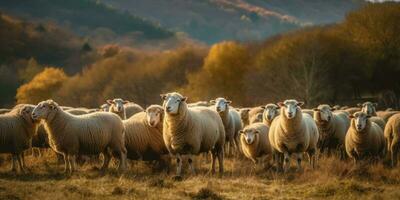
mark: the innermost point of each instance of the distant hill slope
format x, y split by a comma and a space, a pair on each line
84, 16
215, 20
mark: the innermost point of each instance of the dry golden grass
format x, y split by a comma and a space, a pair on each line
334, 179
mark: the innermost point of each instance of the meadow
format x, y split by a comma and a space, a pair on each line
333, 179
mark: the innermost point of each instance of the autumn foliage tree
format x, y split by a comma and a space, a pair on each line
43, 86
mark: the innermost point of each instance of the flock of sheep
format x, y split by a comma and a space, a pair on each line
179, 130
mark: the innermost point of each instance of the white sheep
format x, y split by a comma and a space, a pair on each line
199, 103
16, 131
293, 132
332, 128
89, 134
255, 142
369, 109
144, 135
392, 136
190, 131
271, 111
4, 110
123, 108
231, 120
386, 115
364, 139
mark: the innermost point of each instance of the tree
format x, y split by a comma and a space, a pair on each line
42, 86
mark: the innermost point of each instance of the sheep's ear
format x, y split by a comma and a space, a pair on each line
315, 109
126, 101
184, 98
359, 105
241, 132
109, 101
280, 104
263, 107
257, 132
351, 116
228, 102
163, 96
212, 101
301, 103
333, 109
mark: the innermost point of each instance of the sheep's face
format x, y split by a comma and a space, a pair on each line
290, 108
323, 113
270, 111
360, 120
172, 101
26, 114
221, 104
117, 105
105, 107
44, 109
249, 135
154, 116
369, 107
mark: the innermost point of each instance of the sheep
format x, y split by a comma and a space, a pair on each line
144, 135
89, 134
4, 110
369, 109
16, 131
123, 108
105, 107
231, 120
332, 127
132, 108
352, 110
386, 115
392, 137
271, 111
308, 111
192, 131
364, 139
293, 132
244, 116
199, 103
255, 142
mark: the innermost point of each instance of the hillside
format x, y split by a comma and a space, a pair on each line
215, 20
86, 17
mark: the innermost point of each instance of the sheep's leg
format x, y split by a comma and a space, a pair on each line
106, 162
221, 161
122, 162
213, 158
286, 161
299, 158
178, 165
21, 163
72, 163
14, 163
66, 163
393, 152
191, 167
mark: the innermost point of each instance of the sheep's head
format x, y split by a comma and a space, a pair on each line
172, 102
323, 113
154, 115
105, 107
44, 109
26, 114
359, 120
368, 107
270, 111
221, 104
289, 107
249, 135
117, 105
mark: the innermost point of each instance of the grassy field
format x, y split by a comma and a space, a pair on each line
333, 179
